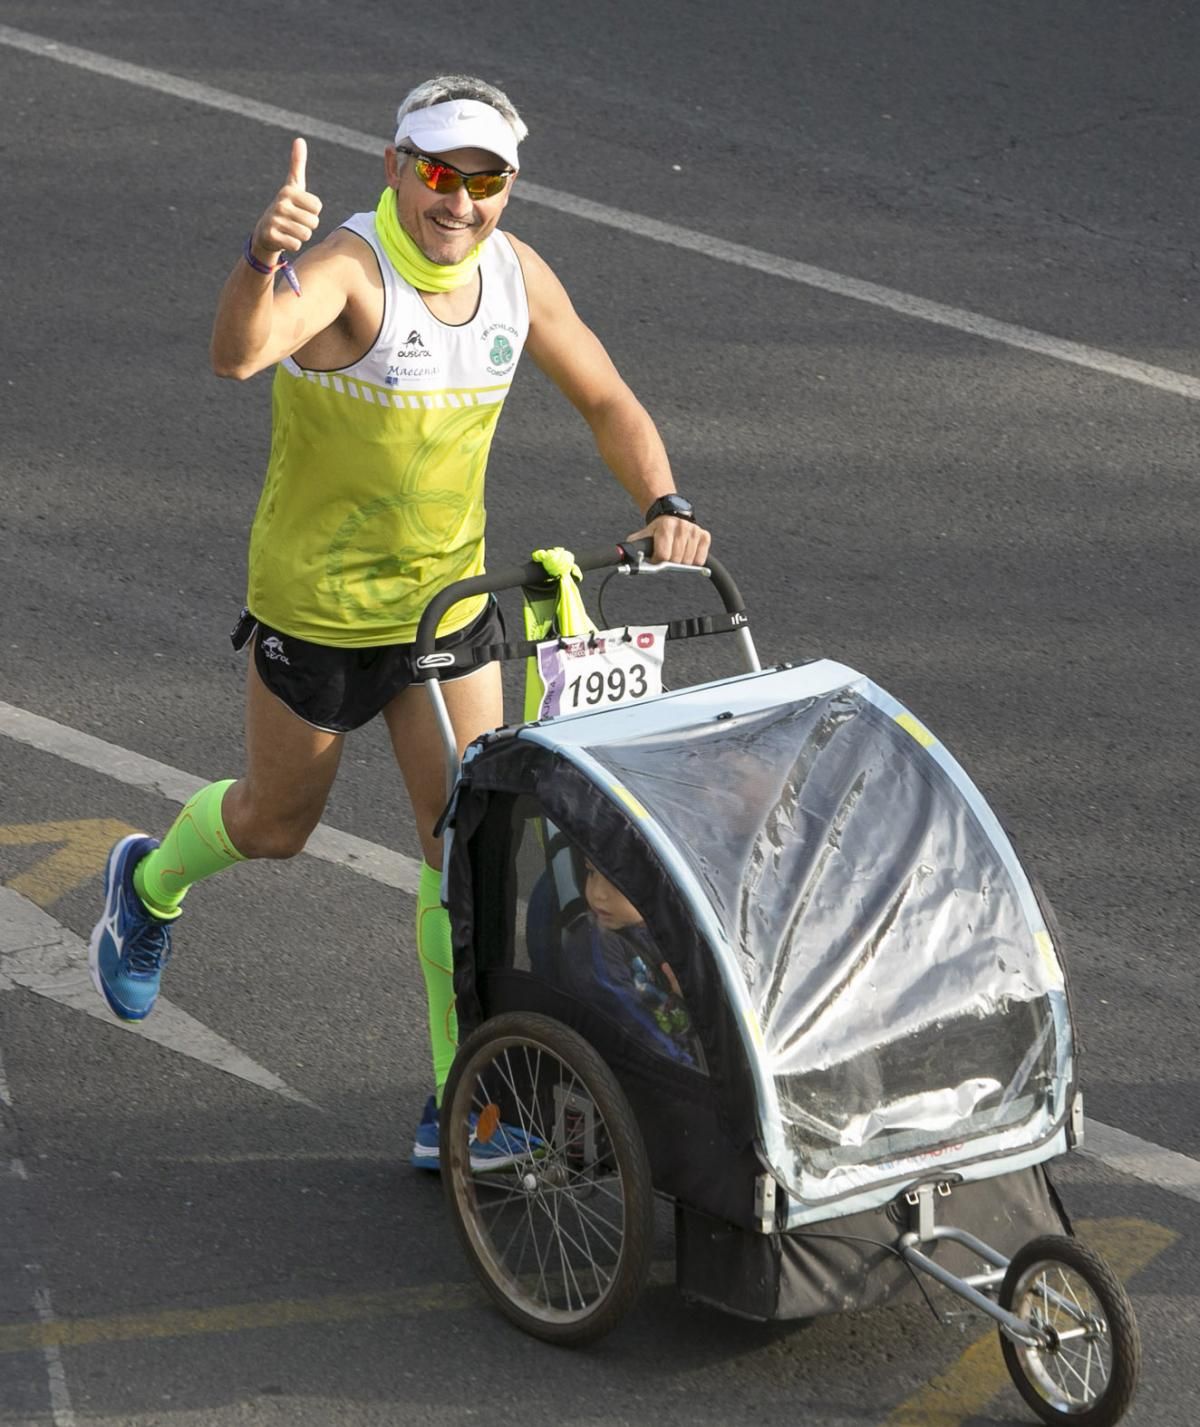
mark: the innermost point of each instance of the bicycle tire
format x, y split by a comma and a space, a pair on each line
1056, 1382
602, 1209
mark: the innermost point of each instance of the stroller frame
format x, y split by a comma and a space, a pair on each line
1053, 1300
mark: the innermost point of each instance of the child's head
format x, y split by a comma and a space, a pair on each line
610, 908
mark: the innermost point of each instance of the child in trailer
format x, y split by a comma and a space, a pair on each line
610, 961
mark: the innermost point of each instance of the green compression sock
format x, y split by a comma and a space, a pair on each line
196, 846
435, 949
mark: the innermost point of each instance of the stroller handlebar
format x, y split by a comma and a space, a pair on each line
630, 553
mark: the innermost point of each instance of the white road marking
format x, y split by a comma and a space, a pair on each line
61, 1410
1141, 1159
40, 955
393, 869
905, 304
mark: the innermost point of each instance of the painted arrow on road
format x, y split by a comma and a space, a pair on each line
40, 955
81, 852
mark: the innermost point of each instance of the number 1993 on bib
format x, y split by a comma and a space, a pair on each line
612, 666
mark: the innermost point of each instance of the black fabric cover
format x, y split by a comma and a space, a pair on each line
844, 1265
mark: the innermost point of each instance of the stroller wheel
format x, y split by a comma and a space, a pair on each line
561, 1233
1088, 1374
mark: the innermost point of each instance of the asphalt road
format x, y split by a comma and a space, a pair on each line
1004, 540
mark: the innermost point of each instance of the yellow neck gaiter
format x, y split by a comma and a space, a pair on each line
410, 262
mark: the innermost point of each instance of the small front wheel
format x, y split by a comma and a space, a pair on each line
1087, 1372
560, 1227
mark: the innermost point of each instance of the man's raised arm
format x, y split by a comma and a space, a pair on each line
259, 322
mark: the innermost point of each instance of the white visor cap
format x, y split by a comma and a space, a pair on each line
459, 124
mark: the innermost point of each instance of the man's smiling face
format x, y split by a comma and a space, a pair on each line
445, 226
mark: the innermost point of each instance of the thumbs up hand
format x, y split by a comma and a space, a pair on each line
292, 217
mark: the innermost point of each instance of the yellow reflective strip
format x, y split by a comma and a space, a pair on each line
630, 801
1045, 947
755, 1029
917, 729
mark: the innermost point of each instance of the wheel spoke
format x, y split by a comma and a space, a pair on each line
598, 1225
518, 1223
521, 1109
565, 1235
532, 1123
601, 1276
541, 1261
1069, 1292
569, 1277
500, 1066
600, 1187
1091, 1357
555, 1204
1069, 1367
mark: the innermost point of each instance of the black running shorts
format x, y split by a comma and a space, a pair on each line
336, 689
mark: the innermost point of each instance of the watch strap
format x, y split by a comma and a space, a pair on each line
674, 504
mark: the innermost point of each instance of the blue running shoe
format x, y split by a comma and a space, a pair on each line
508, 1145
426, 1152
129, 946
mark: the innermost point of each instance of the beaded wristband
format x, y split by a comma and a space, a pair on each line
266, 268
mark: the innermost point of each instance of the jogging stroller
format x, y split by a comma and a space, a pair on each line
836, 1034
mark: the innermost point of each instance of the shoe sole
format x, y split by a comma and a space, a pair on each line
98, 932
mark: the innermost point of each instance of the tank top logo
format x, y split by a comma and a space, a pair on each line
409, 365
501, 352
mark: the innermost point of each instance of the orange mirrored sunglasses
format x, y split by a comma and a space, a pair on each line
442, 177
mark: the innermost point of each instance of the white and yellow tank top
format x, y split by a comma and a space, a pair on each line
373, 499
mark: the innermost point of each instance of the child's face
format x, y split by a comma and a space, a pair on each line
612, 910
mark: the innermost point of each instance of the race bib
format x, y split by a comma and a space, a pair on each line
598, 671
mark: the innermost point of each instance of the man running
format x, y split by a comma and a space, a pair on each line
394, 343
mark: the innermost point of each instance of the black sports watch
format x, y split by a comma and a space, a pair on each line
674, 505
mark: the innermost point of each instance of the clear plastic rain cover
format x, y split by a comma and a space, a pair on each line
909, 999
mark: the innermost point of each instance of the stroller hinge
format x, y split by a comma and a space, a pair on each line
921, 1198
764, 1203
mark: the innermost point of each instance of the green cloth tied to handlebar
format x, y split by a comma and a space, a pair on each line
553, 608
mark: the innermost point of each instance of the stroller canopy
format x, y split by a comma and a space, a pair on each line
865, 920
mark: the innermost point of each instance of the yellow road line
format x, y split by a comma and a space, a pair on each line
233, 1318
82, 854
979, 1374
244, 1317
946, 1401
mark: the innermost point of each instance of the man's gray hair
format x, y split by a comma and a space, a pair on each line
460, 86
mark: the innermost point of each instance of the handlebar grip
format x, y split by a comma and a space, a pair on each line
624, 552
